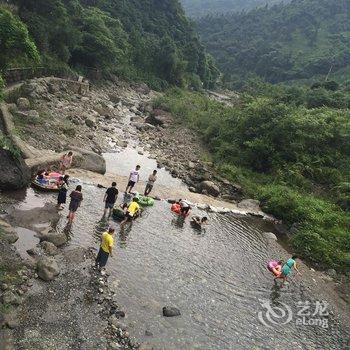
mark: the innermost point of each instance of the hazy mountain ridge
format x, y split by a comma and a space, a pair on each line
302, 40
199, 8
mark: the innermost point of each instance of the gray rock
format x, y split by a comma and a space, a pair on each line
49, 248
114, 346
122, 143
143, 126
11, 320
142, 89
58, 239
210, 188
136, 119
10, 297
12, 107
114, 98
270, 235
90, 121
90, 161
170, 311
145, 346
53, 88
35, 252
33, 114
249, 204
47, 268
23, 103
159, 117
14, 173
11, 237
332, 273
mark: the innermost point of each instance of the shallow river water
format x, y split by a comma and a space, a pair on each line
217, 279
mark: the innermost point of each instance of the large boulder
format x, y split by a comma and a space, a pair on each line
49, 248
210, 188
23, 103
142, 89
170, 311
143, 126
58, 239
90, 121
14, 173
47, 268
159, 117
89, 161
36, 89
249, 205
105, 110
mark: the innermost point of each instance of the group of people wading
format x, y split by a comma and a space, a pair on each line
132, 210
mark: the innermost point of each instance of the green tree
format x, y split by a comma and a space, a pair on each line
15, 43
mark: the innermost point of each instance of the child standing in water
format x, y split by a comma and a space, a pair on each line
76, 198
287, 268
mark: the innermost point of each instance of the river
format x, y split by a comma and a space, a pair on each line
217, 278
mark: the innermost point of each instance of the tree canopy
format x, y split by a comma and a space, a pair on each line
303, 40
149, 39
15, 43
200, 8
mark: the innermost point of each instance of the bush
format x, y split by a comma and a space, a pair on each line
15, 43
1, 88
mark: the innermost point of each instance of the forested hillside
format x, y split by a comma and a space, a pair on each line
199, 8
306, 39
149, 40
289, 147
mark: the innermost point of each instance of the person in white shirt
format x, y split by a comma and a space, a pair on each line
185, 207
133, 178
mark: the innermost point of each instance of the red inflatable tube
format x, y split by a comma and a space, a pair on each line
176, 208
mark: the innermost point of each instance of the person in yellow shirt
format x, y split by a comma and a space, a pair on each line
106, 247
132, 211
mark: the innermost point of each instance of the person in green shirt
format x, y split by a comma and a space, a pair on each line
287, 269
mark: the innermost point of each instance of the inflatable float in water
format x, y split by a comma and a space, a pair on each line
176, 209
45, 187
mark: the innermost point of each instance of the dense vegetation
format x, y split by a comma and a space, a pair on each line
148, 40
306, 39
199, 8
288, 149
